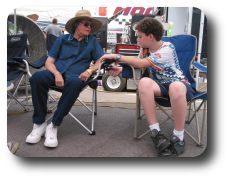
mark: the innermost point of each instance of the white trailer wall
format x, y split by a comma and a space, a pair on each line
179, 16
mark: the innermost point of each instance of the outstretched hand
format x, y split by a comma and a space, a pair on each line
108, 57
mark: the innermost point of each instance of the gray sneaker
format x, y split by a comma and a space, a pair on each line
177, 146
160, 141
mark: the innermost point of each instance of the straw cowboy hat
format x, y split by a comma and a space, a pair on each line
82, 15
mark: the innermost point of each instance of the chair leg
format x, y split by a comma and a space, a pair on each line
189, 113
52, 99
25, 76
164, 111
27, 90
93, 110
94, 101
82, 103
138, 110
76, 119
189, 120
199, 130
204, 120
138, 106
87, 129
16, 90
12, 97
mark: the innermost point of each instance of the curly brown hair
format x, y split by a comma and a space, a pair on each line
149, 25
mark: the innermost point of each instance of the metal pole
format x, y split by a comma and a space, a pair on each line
190, 11
200, 45
15, 22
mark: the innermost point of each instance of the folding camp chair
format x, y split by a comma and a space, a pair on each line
92, 83
17, 69
186, 49
10, 86
194, 109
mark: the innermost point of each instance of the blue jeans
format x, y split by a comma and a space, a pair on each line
40, 83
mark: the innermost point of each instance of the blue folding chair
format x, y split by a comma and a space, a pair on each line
194, 109
17, 67
92, 83
186, 50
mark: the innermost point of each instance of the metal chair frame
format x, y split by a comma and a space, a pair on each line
17, 59
197, 138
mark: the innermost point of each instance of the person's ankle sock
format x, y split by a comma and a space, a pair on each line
179, 134
154, 126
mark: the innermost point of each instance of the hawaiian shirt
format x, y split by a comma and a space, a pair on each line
165, 65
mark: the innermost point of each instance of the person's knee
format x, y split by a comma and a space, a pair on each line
35, 78
146, 85
143, 84
177, 90
75, 84
40, 77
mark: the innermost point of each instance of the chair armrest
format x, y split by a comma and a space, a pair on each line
39, 63
92, 81
96, 74
27, 67
19, 59
128, 70
200, 67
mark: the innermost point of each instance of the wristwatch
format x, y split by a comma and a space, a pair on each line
118, 57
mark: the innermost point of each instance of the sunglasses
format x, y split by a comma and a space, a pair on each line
87, 24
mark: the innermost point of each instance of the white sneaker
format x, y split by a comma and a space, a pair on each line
51, 136
36, 134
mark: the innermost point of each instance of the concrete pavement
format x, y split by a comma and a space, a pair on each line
114, 126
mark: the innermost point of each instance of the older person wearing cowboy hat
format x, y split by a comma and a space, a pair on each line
68, 67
